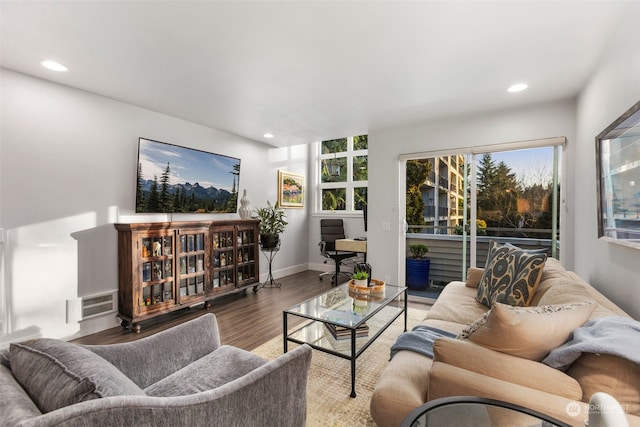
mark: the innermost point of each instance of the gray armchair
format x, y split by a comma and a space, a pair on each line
179, 377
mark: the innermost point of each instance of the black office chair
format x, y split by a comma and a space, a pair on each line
330, 230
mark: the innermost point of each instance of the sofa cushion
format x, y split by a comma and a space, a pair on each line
217, 368
4, 358
449, 381
452, 327
402, 387
457, 304
502, 366
610, 374
511, 275
474, 275
528, 332
15, 405
569, 288
553, 269
57, 374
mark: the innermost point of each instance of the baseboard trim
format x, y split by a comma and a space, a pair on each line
284, 271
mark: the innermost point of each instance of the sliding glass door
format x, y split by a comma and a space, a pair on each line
456, 202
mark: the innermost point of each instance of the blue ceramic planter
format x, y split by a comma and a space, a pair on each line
418, 273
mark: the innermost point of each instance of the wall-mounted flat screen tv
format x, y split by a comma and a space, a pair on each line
174, 179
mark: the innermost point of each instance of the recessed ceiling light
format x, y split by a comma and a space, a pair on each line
268, 135
53, 65
518, 87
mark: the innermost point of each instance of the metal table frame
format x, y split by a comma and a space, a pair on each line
397, 292
419, 416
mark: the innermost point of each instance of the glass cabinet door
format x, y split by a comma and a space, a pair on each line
223, 258
156, 255
246, 257
191, 268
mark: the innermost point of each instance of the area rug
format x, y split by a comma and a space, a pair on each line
329, 385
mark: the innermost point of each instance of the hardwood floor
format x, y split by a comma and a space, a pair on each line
245, 321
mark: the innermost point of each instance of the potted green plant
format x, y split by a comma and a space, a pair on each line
272, 223
360, 278
418, 267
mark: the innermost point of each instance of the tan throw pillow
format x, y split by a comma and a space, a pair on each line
511, 275
473, 277
527, 332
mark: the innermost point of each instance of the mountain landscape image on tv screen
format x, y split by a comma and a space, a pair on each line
184, 180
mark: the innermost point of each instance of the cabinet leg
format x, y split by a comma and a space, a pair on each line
207, 305
135, 327
255, 289
124, 324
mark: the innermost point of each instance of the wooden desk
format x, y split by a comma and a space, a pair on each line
351, 245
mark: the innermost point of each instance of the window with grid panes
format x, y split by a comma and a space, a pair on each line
343, 173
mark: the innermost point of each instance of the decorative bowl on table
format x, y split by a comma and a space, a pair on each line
375, 288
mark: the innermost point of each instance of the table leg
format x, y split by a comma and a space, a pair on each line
284, 331
406, 296
353, 363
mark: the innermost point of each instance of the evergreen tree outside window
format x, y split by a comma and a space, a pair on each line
344, 173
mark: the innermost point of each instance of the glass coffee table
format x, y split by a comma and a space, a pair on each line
344, 323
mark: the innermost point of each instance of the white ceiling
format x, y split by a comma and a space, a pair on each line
312, 70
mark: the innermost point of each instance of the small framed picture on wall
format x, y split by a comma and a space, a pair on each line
290, 190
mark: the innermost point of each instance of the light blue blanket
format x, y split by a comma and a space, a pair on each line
618, 336
420, 340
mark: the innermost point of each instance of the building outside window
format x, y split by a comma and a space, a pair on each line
443, 194
344, 173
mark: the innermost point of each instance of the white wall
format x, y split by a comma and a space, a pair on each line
518, 124
293, 255
67, 172
613, 88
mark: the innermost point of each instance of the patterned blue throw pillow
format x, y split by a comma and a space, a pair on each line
511, 275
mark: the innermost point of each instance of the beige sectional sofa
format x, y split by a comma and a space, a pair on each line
465, 368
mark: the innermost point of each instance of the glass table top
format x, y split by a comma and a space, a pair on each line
343, 307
